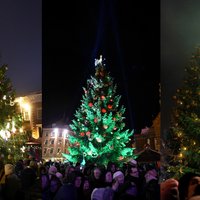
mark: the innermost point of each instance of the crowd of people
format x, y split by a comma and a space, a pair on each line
31, 180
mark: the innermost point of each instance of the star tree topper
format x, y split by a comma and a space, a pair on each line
99, 61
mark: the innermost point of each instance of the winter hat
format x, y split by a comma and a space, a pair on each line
117, 173
59, 175
9, 169
102, 193
132, 162
52, 170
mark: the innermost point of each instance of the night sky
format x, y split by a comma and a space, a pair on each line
21, 44
126, 33
142, 43
180, 34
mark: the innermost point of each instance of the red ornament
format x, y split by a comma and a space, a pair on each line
102, 97
82, 134
90, 104
109, 106
95, 120
88, 133
103, 110
114, 119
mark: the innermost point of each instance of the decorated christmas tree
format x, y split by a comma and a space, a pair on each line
12, 137
99, 129
184, 134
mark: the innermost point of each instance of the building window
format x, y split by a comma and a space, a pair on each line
46, 142
26, 116
46, 134
39, 131
58, 151
51, 151
59, 142
45, 151
52, 134
52, 141
60, 134
39, 113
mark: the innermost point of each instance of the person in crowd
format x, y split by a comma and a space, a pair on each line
169, 189
189, 186
71, 189
105, 193
152, 187
108, 179
111, 166
28, 178
133, 181
86, 188
118, 186
96, 178
51, 183
12, 189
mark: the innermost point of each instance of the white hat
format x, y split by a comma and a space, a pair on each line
52, 170
132, 162
102, 193
117, 173
59, 175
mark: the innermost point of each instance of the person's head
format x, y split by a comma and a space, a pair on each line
111, 166
86, 183
133, 170
102, 194
97, 173
108, 177
9, 169
132, 162
52, 170
188, 185
118, 176
75, 177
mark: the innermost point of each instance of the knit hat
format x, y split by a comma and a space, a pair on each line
59, 175
9, 169
117, 173
102, 193
52, 170
132, 162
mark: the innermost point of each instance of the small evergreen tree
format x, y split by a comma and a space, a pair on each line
184, 133
12, 138
99, 128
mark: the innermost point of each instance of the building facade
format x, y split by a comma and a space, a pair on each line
30, 106
55, 142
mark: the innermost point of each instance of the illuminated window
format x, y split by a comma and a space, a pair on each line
26, 116
52, 134
59, 142
59, 150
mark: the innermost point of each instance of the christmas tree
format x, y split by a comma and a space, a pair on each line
184, 134
12, 137
98, 127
